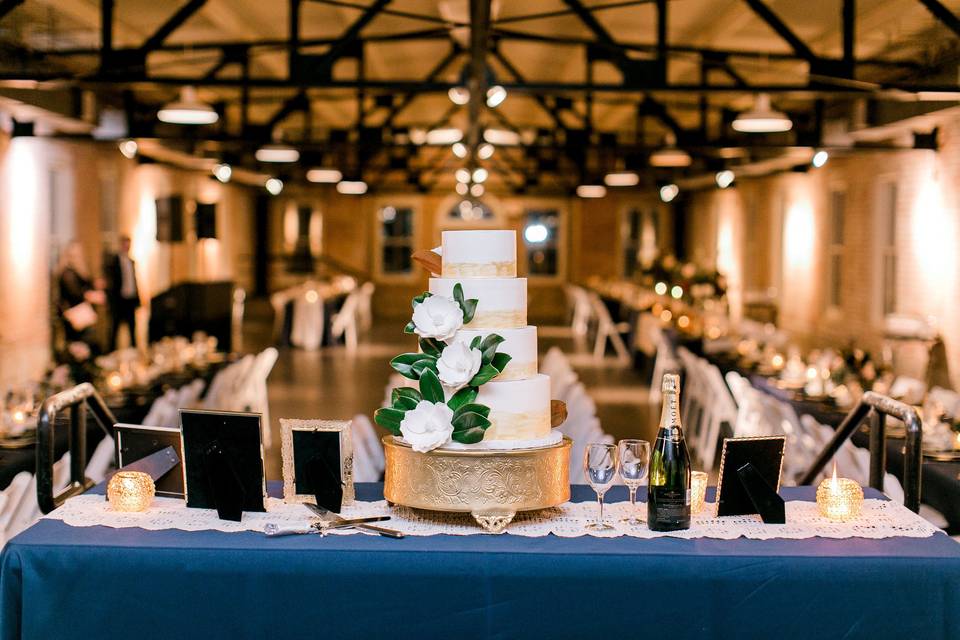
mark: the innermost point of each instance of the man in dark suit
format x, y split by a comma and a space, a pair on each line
122, 292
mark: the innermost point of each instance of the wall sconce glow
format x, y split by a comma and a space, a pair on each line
660, 288
187, 110
820, 158
324, 176
129, 148
762, 118
591, 191
480, 175
273, 186
724, 178
495, 96
462, 175
485, 152
459, 149
276, 153
535, 233
352, 187
676, 292
444, 136
462, 188
799, 236
477, 190
668, 192
622, 179
223, 172
501, 137
459, 95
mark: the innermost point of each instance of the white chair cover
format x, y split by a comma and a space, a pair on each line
307, 328
368, 460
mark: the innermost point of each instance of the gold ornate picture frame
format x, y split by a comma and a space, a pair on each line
288, 427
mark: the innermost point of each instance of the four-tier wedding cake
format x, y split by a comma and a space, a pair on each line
473, 382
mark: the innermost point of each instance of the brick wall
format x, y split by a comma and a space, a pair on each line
928, 239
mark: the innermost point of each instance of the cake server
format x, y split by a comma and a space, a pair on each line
272, 529
334, 520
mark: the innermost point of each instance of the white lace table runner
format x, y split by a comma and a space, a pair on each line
879, 519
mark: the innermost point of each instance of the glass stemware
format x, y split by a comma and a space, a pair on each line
634, 463
600, 468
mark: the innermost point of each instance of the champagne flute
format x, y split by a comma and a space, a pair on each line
634, 457
600, 468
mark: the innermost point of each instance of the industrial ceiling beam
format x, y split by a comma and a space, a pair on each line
304, 68
477, 80
175, 22
774, 22
6, 6
943, 14
408, 98
393, 12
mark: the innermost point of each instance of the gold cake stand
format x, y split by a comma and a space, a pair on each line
490, 485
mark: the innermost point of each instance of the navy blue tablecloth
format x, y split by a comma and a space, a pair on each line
62, 582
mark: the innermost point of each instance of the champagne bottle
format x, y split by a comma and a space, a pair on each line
668, 493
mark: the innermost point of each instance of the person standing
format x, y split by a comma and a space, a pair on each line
123, 295
77, 295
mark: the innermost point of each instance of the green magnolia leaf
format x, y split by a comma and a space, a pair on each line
405, 398
428, 363
475, 343
470, 420
432, 346
489, 346
469, 428
500, 361
469, 309
480, 409
430, 386
487, 373
420, 298
411, 365
410, 327
463, 397
458, 293
389, 419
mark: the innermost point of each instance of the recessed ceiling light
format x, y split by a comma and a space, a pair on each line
277, 153
274, 186
477, 190
129, 148
501, 137
459, 149
462, 175
622, 179
459, 95
223, 172
724, 178
444, 136
485, 152
668, 192
324, 176
820, 158
480, 175
591, 191
495, 96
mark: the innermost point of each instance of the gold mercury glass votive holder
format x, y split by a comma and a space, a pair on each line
698, 491
130, 491
839, 499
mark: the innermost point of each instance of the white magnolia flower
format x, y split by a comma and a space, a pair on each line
428, 426
437, 317
458, 364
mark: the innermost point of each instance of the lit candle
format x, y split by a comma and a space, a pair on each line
115, 381
839, 499
698, 491
19, 416
777, 361
130, 491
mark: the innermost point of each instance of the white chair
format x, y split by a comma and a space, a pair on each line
579, 300
13, 496
344, 322
306, 330
665, 362
236, 319
101, 460
721, 409
368, 460
365, 305
909, 390
607, 329
252, 391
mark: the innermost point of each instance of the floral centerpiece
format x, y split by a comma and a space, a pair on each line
449, 374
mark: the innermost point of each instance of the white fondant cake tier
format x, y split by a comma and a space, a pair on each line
520, 344
519, 409
502, 302
479, 254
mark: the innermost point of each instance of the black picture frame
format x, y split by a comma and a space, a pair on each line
765, 453
233, 440
135, 442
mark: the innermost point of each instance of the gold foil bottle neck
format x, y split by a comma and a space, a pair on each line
670, 389
671, 383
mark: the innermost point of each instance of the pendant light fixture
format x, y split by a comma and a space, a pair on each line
187, 110
670, 155
762, 118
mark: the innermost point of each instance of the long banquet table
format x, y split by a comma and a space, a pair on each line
58, 581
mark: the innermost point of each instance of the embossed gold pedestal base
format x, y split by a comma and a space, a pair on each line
490, 485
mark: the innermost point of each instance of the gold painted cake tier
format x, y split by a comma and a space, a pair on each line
491, 485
